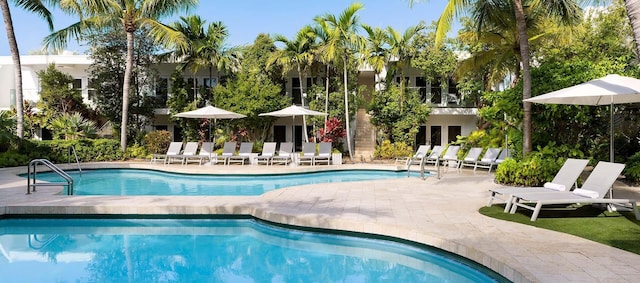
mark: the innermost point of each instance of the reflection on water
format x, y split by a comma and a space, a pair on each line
208, 251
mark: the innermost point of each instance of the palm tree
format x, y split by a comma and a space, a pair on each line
400, 50
376, 51
343, 42
633, 12
321, 34
299, 54
131, 15
565, 11
35, 6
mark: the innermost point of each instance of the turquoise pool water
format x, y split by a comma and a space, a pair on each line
130, 182
188, 250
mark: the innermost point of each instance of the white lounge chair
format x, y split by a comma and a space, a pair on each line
244, 154
174, 149
488, 159
308, 153
564, 180
417, 157
228, 150
434, 155
205, 153
471, 158
268, 151
451, 155
189, 150
324, 153
593, 191
284, 154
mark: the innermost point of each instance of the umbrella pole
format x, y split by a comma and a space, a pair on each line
611, 143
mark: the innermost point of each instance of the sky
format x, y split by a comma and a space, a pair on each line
245, 19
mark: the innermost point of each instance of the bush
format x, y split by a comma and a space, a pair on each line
632, 169
533, 171
13, 159
157, 141
388, 150
136, 151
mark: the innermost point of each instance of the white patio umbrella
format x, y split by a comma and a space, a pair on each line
210, 112
609, 90
293, 111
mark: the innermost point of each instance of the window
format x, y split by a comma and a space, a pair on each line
192, 87
77, 84
421, 136
436, 91
91, 91
279, 133
421, 85
161, 128
210, 82
452, 92
161, 91
436, 135
454, 132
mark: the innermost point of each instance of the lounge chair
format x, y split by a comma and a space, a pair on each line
563, 181
244, 154
206, 150
488, 159
471, 158
174, 149
268, 151
308, 153
434, 155
451, 155
189, 150
417, 157
228, 150
593, 191
324, 153
284, 154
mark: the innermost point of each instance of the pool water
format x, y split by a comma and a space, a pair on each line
197, 250
130, 182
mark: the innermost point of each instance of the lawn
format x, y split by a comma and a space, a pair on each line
616, 229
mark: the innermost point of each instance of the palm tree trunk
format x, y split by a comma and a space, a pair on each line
125, 91
326, 98
302, 91
346, 106
633, 12
526, 74
15, 56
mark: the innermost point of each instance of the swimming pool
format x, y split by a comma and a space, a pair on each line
205, 250
130, 182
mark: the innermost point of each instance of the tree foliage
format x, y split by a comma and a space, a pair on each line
58, 96
106, 77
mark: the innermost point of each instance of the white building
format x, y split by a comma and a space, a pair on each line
451, 116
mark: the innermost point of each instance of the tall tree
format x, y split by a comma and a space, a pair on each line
343, 42
99, 15
37, 7
564, 10
297, 53
400, 50
376, 51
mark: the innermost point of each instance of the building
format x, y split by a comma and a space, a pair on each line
450, 116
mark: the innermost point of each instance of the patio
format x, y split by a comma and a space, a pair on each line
442, 213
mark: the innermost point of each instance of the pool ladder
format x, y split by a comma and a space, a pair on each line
422, 170
32, 171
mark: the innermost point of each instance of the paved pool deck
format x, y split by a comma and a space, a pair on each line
438, 212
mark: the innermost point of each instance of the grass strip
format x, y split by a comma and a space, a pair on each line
616, 229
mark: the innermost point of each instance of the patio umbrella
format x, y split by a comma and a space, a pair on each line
293, 111
210, 112
609, 90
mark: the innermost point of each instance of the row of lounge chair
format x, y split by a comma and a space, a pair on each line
190, 153
563, 189
448, 156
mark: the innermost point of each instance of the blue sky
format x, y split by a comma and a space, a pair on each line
245, 19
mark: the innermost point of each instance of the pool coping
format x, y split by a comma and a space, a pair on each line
510, 249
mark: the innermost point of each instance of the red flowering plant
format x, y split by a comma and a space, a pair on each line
334, 131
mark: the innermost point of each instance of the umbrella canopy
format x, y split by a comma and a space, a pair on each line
293, 110
210, 112
609, 90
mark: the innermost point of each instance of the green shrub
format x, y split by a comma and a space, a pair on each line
157, 141
535, 170
136, 151
13, 159
632, 169
389, 150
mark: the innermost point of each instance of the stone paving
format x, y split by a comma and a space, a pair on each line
438, 212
